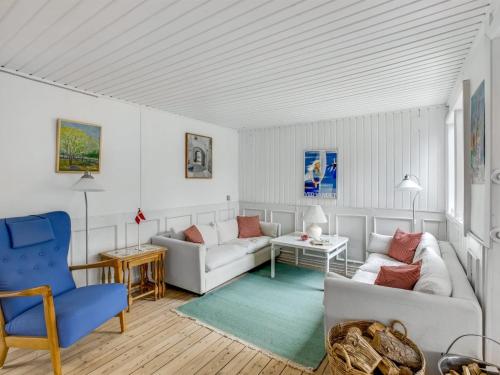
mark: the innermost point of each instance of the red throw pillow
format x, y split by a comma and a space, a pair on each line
402, 277
193, 235
248, 226
403, 246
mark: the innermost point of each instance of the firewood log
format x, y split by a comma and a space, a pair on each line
387, 367
361, 353
474, 368
386, 344
453, 372
375, 327
465, 370
403, 370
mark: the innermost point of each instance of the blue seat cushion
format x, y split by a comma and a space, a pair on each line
78, 312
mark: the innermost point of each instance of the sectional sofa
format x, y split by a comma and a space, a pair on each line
444, 308
202, 267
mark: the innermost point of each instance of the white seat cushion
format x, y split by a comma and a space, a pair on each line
220, 255
434, 276
375, 261
365, 277
227, 231
252, 244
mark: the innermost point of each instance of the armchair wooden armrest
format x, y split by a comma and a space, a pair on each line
43, 290
112, 263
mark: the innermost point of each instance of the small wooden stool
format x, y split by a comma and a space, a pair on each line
150, 263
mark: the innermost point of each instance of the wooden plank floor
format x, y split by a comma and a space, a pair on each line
157, 341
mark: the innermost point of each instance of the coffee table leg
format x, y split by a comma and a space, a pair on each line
327, 265
272, 261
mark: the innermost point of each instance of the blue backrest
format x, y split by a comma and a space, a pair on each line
34, 252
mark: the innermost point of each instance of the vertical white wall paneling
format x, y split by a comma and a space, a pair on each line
374, 153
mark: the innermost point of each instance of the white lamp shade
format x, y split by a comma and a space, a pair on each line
407, 184
87, 183
315, 214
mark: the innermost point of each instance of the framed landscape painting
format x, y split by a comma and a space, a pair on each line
198, 156
78, 147
320, 174
477, 146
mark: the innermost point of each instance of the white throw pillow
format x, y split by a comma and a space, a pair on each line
227, 231
434, 276
209, 234
268, 229
379, 243
427, 240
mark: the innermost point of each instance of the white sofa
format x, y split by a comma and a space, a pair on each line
202, 267
432, 320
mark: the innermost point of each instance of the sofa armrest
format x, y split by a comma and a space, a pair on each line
184, 263
270, 229
432, 321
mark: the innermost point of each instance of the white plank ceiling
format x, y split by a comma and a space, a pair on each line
246, 63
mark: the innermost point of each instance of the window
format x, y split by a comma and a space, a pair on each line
450, 167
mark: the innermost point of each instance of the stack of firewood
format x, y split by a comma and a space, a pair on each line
373, 349
471, 369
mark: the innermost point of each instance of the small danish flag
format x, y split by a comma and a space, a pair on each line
139, 217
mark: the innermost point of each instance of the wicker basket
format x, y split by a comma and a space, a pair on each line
341, 365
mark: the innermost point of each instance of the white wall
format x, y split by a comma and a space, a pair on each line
374, 153
30, 185
28, 114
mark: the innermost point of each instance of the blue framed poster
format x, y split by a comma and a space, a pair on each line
320, 173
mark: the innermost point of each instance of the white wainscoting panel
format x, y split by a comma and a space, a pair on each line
178, 223
255, 212
355, 227
388, 225
116, 231
435, 227
355, 223
287, 219
148, 228
374, 153
206, 217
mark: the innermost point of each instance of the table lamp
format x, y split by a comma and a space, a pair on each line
314, 216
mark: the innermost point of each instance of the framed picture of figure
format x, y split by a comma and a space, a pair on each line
320, 174
198, 156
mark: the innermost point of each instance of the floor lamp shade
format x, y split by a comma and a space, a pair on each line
87, 183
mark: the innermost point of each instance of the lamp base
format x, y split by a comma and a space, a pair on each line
314, 231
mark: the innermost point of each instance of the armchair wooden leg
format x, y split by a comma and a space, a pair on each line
3, 352
55, 357
123, 325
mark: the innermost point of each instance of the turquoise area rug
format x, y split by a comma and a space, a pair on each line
282, 316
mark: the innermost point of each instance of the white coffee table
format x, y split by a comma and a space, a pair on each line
336, 245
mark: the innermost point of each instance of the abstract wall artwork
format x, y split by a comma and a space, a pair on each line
320, 174
198, 156
78, 147
477, 145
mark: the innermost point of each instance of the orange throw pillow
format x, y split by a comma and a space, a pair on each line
193, 235
248, 226
402, 277
403, 246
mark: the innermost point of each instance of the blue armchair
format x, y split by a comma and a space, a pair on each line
40, 305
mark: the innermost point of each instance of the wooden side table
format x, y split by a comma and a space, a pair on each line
150, 263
